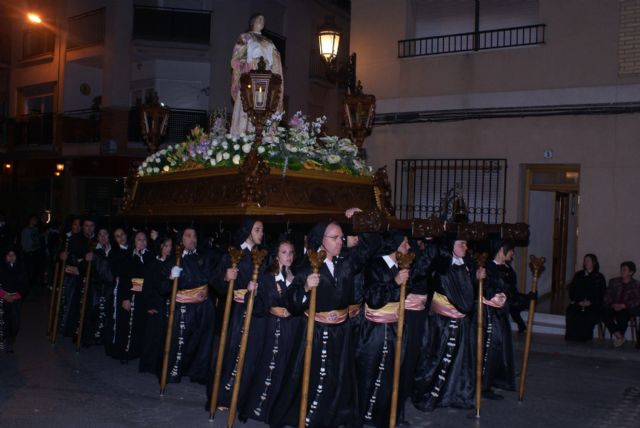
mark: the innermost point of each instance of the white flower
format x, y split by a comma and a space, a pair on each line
291, 148
236, 147
156, 169
215, 143
209, 152
236, 159
218, 156
225, 145
246, 147
157, 160
165, 168
333, 159
226, 156
261, 149
212, 162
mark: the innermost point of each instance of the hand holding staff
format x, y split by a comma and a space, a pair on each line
257, 257
536, 264
58, 297
85, 295
54, 286
481, 259
315, 259
235, 254
167, 339
404, 262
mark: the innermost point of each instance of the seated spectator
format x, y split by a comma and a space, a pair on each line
621, 301
586, 293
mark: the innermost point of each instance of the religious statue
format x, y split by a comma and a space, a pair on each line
249, 47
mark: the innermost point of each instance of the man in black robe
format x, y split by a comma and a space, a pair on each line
194, 317
332, 387
13, 283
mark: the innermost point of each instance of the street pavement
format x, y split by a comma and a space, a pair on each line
569, 385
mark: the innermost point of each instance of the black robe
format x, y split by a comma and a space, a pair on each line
130, 324
12, 280
581, 320
498, 368
445, 375
257, 330
79, 246
116, 260
332, 386
155, 298
375, 352
193, 323
281, 336
98, 300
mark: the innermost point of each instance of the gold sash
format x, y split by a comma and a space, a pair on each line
193, 295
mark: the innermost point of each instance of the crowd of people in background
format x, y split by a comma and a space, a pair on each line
593, 303
133, 271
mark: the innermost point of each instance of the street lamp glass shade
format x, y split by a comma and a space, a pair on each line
34, 18
328, 40
59, 167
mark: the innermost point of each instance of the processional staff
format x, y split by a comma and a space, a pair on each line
404, 262
257, 257
58, 297
481, 259
85, 293
315, 259
536, 264
235, 254
167, 338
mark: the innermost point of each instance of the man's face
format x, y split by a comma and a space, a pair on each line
141, 241
460, 248
10, 257
103, 237
120, 237
332, 240
404, 247
509, 256
257, 233
33, 221
625, 272
166, 248
75, 226
88, 228
189, 239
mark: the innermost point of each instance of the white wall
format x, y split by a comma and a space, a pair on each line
77, 74
541, 213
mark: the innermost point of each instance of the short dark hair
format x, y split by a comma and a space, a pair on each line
594, 261
630, 265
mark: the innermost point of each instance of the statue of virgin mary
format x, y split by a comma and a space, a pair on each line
247, 51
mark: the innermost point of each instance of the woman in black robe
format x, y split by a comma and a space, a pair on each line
376, 342
116, 259
156, 308
249, 236
586, 294
332, 388
445, 376
100, 292
131, 313
13, 283
498, 368
282, 333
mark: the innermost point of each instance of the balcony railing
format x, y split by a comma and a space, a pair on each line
466, 42
87, 29
80, 126
181, 121
171, 25
427, 187
32, 129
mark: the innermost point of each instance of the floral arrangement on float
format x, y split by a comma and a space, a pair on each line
300, 145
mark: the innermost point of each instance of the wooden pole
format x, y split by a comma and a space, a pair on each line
480, 336
404, 262
85, 295
536, 264
257, 256
54, 289
56, 316
235, 254
167, 338
315, 259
